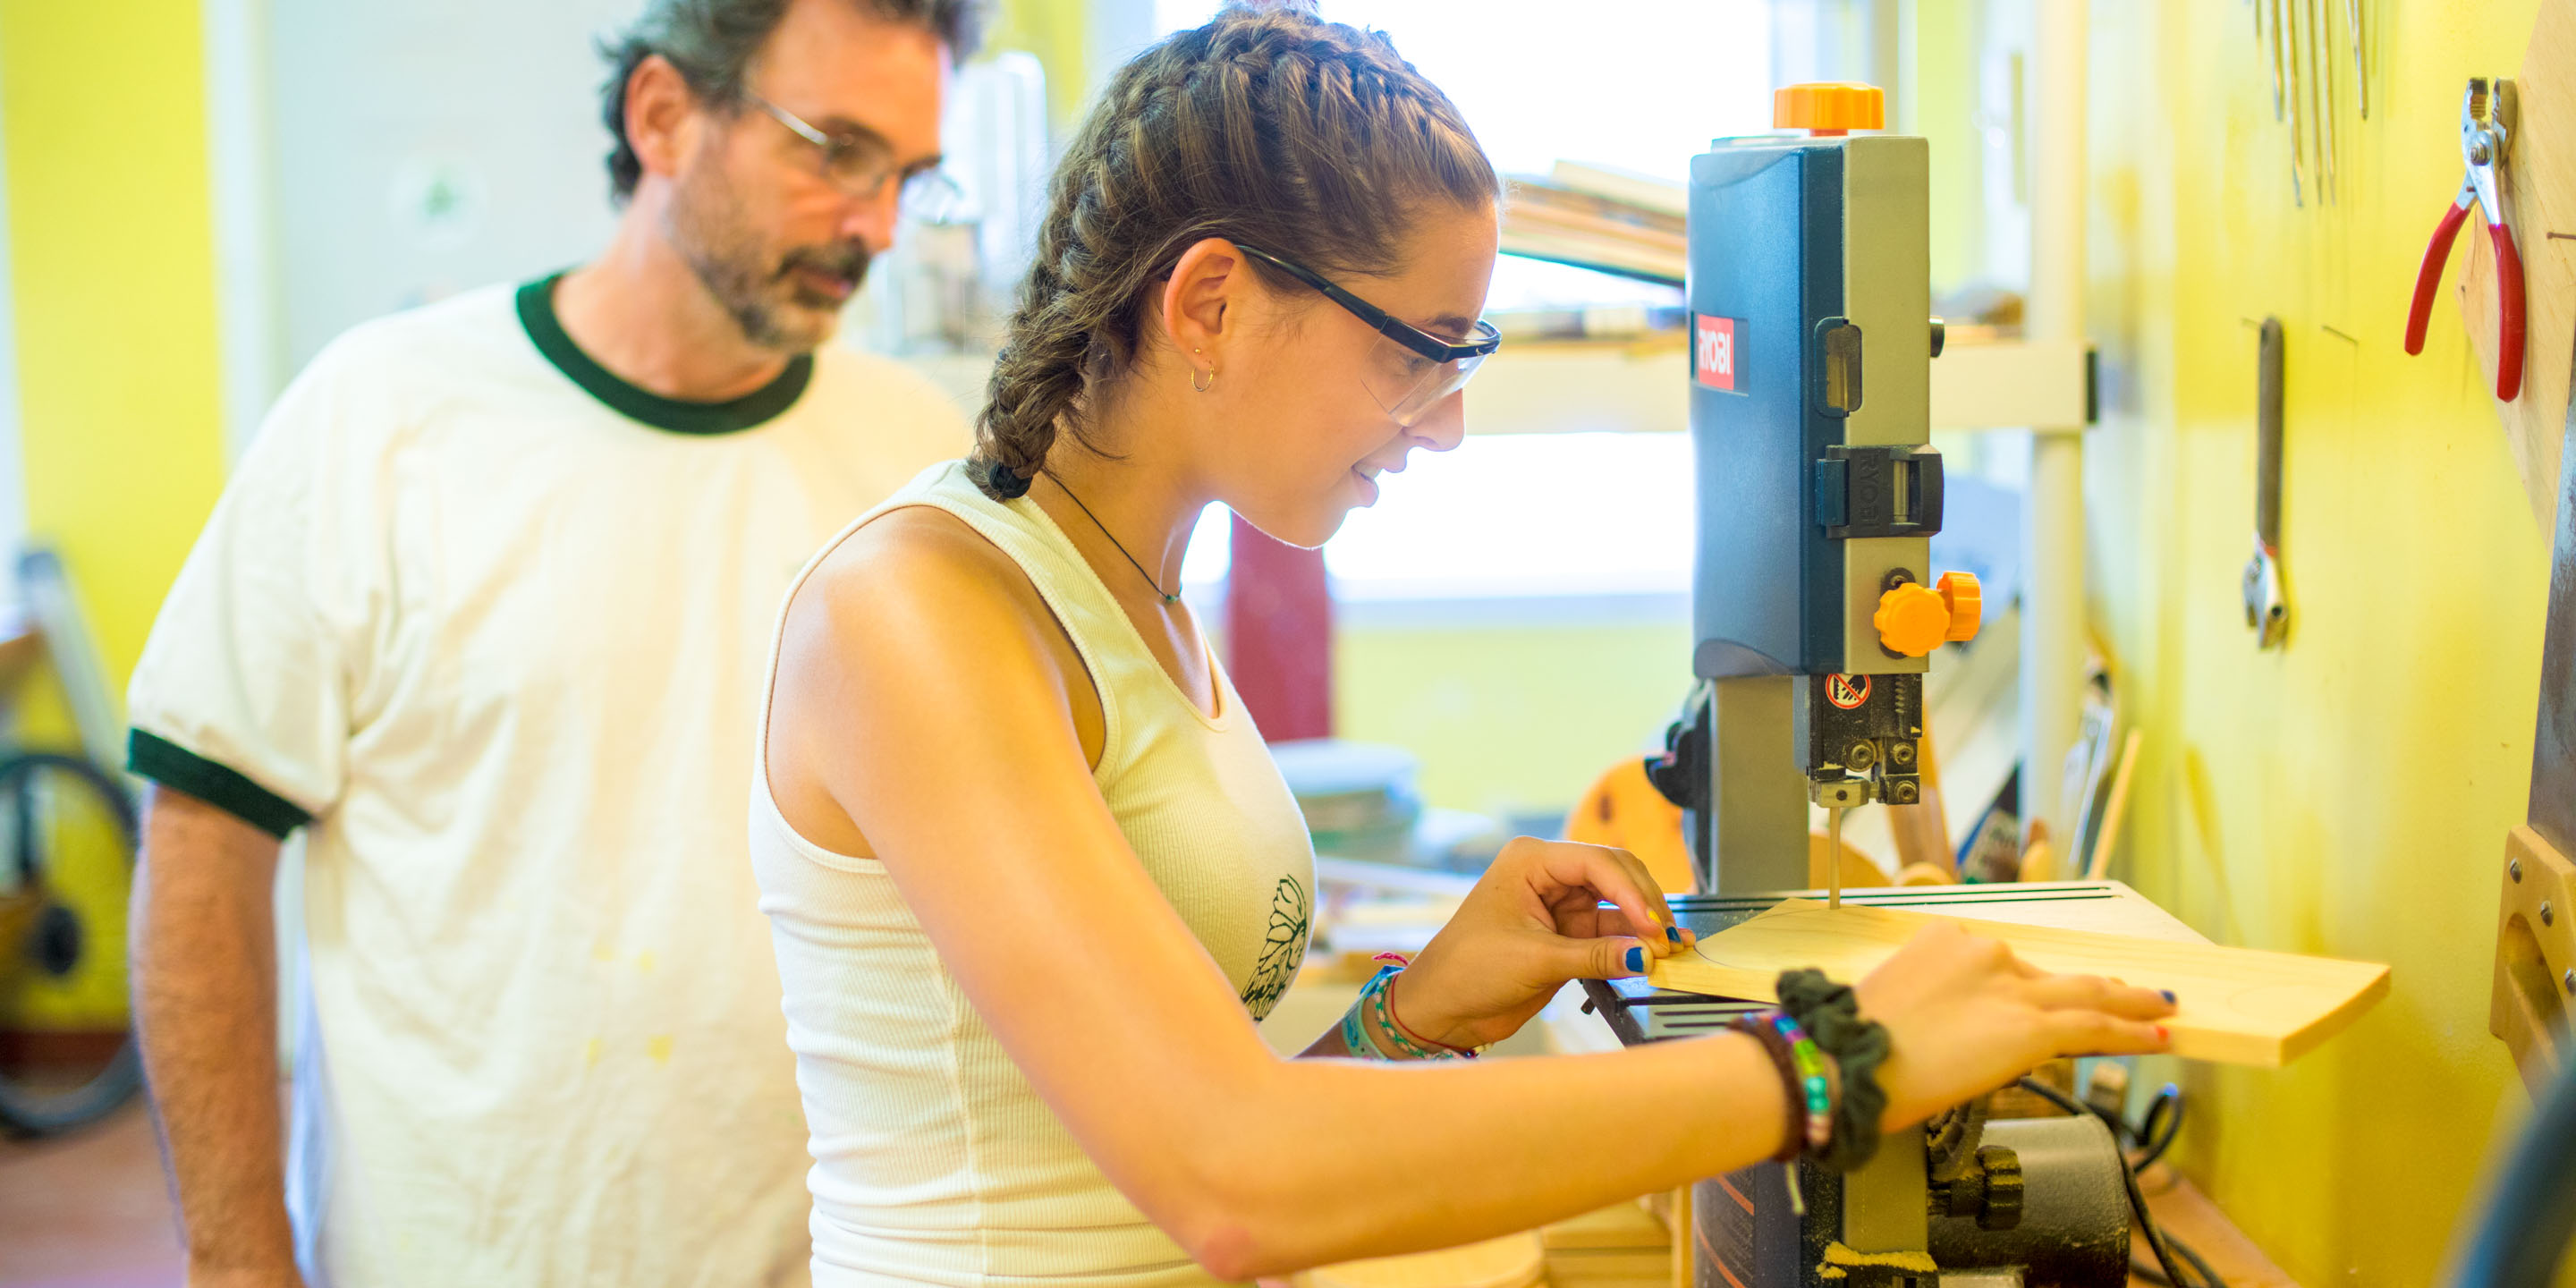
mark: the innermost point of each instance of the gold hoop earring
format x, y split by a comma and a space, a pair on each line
1194, 374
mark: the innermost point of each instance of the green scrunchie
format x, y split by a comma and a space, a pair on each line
1831, 1015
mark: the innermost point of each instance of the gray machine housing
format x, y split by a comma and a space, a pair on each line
1809, 292
1817, 488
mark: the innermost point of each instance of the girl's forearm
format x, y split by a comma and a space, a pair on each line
1342, 1160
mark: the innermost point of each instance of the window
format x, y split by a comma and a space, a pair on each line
1604, 92
1509, 516
1601, 95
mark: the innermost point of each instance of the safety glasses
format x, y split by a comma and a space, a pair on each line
1411, 370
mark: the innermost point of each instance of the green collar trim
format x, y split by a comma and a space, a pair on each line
545, 330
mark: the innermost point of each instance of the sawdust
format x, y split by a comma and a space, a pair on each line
1839, 1259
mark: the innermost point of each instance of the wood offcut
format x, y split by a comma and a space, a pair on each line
2236, 1005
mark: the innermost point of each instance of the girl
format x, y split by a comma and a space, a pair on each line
1031, 873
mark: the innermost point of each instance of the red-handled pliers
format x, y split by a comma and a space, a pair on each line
2486, 121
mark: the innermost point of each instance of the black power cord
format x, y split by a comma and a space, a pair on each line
2164, 1246
2524, 1234
2155, 1133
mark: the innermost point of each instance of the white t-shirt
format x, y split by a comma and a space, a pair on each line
492, 625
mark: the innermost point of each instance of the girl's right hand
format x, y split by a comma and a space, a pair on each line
1964, 1017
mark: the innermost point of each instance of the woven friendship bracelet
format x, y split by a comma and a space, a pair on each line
1354, 1036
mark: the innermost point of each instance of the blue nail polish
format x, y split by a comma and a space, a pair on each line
1673, 933
2169, 997
1637, 959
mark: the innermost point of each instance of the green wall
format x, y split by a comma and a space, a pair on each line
1511, 719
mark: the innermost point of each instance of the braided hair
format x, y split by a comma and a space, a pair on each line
1268, 125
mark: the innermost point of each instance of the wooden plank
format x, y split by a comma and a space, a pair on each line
2106, 906
2553, 753
1619, 1227
2539, 185
2116, 810
2237, 1005
20, 647
1514, 1261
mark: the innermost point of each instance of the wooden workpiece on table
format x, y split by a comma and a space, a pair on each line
2236, 1005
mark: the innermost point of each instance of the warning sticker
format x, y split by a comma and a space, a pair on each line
1847, 691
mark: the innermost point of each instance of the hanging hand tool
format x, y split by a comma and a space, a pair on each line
2486, 123
2321, 27
2267, 613
2285, 45
2274, 58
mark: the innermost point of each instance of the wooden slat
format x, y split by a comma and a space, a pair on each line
1620, 1226
20, 647
2237, 1005
1514, 1261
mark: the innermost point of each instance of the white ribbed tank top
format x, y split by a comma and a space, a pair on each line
934, 1160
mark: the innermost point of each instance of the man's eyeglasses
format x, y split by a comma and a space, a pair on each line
1414, 369
858, 166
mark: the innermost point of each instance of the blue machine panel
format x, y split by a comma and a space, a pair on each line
1766, 266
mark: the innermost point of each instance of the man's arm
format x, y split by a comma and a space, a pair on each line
205, 991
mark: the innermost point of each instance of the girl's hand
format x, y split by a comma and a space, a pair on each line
1964, 1016
1533, 922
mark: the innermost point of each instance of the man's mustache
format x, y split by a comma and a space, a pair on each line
847, 261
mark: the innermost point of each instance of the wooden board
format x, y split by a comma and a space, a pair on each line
20, 646
2540, 198
1626, 1227
2109, 907
2237, 1005
1514, 1261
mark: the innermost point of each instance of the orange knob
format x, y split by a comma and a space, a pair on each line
1828, 108
1911, 619
1967, 603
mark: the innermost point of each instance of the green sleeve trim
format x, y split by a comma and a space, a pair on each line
181, 770
536, 305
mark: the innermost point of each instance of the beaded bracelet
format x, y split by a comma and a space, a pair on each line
1811, 1073
1802, 1075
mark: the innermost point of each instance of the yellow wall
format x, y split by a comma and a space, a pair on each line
2350, 795
2347, 796
111, 252
111, 259
1056, 32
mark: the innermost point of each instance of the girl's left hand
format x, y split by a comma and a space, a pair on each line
1533, 922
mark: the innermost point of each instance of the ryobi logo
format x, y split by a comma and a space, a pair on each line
1713, 351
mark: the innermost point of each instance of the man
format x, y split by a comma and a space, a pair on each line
484, 613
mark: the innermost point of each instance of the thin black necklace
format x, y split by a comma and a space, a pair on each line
1172, 597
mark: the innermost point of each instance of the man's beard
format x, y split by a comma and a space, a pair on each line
767, 299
